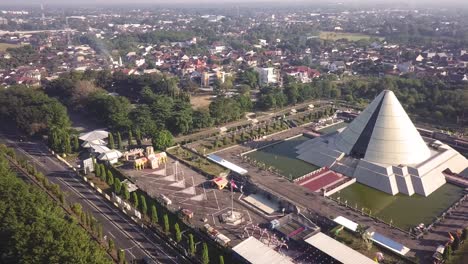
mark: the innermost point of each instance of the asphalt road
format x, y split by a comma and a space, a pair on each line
137, 241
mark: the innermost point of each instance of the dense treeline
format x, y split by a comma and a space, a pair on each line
429, 99
35, 230
147, 103
19, 56
32, 110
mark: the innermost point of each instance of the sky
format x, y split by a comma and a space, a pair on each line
231, 2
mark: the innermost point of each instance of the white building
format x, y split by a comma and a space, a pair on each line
382, 149
268, 75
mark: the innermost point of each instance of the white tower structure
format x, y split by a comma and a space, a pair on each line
382, 149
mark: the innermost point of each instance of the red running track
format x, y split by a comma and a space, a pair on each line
307, 178
321, 182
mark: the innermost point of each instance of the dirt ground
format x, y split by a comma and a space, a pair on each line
201, 101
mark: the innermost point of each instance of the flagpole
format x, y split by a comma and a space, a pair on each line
232, 201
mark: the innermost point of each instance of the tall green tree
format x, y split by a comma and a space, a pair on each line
162, 139
144, 207
178, 234
97, 170
103, 173
110, 178
111, 245
111, 141
34, 229
117, 186
205, 256
126, 192
154, 214
192, 249
32, 111
67, 144
166, 223
135, 199
130, 138
119, 141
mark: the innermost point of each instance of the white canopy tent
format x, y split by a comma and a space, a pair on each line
94, 135
255, 252
111, 156
88, 144
336, 250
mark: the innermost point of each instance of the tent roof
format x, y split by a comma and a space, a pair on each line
110, 155
336, 250
255, 252
88, 144
100, 148
383, 133
94, 135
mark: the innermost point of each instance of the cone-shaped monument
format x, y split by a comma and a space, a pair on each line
383, 149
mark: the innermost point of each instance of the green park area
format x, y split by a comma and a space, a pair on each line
282, 157
328, 35
404, 211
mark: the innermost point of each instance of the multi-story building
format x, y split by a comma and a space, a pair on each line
208, 78
268, 75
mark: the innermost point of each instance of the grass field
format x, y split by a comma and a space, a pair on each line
328, 35
4, 46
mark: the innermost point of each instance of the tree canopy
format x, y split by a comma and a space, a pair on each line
31, 110
35, 230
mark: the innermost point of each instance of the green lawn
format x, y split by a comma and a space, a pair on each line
405, 211
328, 35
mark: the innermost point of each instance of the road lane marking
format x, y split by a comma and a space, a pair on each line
95, 206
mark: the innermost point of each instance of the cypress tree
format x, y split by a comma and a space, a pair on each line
154, 214
117, 186
178, 234
119, 141
110, 178
66, 143
103, 173
130, 138
111, 245
144, 208
97, 170
166, 223
205, 257
192, 250
135, 200
111, 141
126, 192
